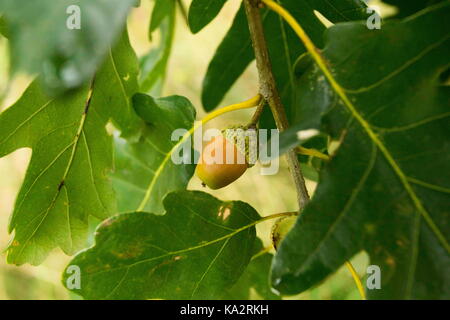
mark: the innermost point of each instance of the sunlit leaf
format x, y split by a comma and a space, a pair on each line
154, 63
67, 178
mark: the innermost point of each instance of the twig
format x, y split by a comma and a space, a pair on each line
270, 93
258, 112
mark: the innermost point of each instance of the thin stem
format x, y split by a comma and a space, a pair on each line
357, 280
313, 153
257, 115
278, 215
270, 93
251, 103
260, 253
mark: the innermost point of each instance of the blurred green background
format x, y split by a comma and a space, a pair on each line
189, 60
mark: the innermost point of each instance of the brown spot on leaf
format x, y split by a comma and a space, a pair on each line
400, 243
132, 250
97, 268
390, 261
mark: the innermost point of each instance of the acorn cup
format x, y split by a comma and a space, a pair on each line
226, 157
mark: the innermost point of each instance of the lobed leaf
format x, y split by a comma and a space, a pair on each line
67, 178
144, 170
386, 190
198, 249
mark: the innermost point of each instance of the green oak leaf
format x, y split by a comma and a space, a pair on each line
66, 58
119, 82
162, 9
67, 178
144, 170
154, 63
202, 12
235, 52
386, 190
198, 249
254, 282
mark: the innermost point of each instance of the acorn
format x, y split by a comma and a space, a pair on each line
226, 157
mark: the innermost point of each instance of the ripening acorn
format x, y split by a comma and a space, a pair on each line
225, 158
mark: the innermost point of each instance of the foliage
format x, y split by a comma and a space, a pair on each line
392, 200
101, 141
189, 253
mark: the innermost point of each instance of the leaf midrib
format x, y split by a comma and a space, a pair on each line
346, 207
74, 145
199, 246
396, 168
